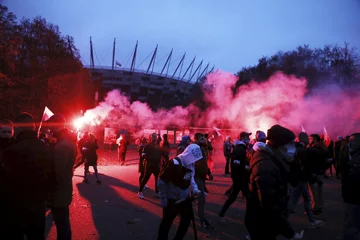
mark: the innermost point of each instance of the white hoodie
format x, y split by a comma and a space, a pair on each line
189, 157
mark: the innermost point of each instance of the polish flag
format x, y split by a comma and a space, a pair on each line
217, 131
303, 129
47, 114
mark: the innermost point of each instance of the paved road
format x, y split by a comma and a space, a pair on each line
113, 211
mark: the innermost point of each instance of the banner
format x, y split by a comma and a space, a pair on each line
109, 136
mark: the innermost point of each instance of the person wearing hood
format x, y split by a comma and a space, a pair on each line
266, 206
350, 190
239, 174
301, 169
228, 147
260, 142
175, 183
65, 152
185, 141
27, 179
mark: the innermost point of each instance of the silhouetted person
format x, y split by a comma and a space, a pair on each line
65, 151
27, 178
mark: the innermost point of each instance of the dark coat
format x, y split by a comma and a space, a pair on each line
201, 167
266, 210
124, 143
28, 173
89, 154
152, 154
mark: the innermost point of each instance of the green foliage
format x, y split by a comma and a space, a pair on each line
39, 67
331, 64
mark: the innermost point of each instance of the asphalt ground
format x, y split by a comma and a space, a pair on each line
112, 210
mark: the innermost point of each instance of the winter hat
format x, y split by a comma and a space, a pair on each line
260, 135
279, 136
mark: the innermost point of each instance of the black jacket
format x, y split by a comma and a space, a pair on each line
152, 154
239, 161
266, 209
29, 172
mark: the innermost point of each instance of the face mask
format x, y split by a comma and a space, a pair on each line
290, 149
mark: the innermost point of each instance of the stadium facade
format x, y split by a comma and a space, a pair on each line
158, 89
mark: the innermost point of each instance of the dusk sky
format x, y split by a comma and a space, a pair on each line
229, 34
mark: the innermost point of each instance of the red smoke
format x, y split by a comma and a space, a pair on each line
280, 100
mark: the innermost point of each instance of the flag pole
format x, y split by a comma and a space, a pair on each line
40, 125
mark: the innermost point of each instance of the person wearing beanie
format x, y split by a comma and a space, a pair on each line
260, 142
27, 178
65, 152
266, 206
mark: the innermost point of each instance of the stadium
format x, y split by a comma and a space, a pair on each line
170, 86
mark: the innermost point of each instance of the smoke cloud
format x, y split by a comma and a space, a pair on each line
281, 99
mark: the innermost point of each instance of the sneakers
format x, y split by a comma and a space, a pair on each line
140, 195
85, 181
98, 182
146, 187
206, 224
315, 224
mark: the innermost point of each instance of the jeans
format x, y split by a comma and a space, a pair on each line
301, 190
351, 229
185, 211
227, 164
316, 191
150, 170
86, 171
238, 185
61, 218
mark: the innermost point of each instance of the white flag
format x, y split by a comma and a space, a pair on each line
47, 114
217, 131
303, 129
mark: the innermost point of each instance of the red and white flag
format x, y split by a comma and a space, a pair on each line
303, 129
47, 114
217, 131
327, 139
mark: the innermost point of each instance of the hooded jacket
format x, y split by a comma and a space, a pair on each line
267, 202
188, 158
239, 161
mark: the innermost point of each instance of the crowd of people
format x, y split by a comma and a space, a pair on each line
272, 171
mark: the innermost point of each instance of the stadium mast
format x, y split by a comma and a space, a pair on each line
191, 64
113, 56
167, 61
152, 61
181, 61
132, 68
92, 65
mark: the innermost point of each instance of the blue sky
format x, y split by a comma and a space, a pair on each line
229, 34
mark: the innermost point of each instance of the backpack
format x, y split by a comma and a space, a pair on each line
177, 174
